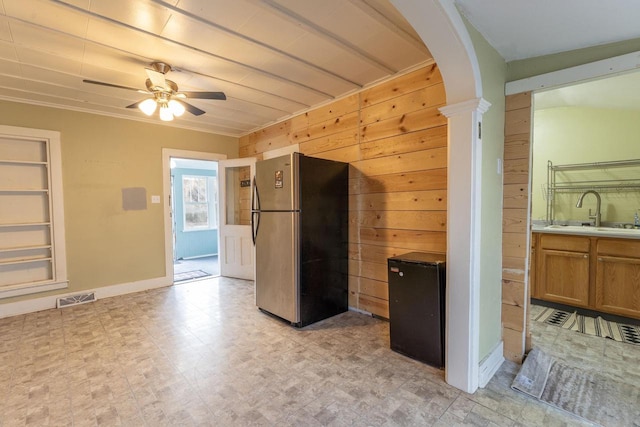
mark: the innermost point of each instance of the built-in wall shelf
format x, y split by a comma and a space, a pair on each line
32, 246
25, 248
23, 162
24, 190
26, 224
604, 177
24, 261
34, 284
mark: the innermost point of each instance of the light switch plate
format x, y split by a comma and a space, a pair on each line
155, 199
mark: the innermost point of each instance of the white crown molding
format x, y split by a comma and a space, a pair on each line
479, 105
174, 124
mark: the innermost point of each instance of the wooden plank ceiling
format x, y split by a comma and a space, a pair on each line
272, 58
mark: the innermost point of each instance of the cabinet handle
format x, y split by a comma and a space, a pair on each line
585, 256
600, 259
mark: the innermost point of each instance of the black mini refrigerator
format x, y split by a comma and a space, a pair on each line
417, 306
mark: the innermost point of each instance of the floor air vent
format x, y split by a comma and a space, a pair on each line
76, 299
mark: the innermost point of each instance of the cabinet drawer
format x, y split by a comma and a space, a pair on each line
619, 247
562, 242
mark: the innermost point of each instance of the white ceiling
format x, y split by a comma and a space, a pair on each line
272, 58
520, 29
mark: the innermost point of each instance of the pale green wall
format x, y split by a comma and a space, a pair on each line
101, 155
583, 135
545, 64
493, 71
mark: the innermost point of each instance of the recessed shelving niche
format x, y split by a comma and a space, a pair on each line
29, 246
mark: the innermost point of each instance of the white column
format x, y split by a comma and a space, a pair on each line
464, 195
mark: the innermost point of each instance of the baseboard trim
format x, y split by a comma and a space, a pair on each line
490, 365
198, 256
357, 310
48, 302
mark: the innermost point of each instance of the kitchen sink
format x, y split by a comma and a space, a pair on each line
626, 231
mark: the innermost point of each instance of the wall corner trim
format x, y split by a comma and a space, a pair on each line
479, 105
490, 365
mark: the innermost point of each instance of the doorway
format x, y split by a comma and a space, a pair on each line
191, 214
195, 223
584, 142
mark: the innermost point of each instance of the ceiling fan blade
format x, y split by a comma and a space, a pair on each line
135, 104
156, 78
94, 82
206, 95
190, 108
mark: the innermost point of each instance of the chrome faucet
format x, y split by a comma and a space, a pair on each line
598, 202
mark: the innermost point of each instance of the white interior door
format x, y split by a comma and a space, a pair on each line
237, 253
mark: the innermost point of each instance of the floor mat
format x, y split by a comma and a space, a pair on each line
190, 275
580, 392
596, 326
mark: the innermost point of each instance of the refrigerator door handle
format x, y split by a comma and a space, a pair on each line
255, 225
255, 211
255, 196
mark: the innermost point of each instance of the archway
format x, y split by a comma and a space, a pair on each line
441, 28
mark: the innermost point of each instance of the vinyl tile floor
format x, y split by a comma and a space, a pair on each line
200, 353
613, 359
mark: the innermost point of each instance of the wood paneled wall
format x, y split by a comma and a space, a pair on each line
514, 224
395, 140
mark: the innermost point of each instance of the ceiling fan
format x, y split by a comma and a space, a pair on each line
164, 94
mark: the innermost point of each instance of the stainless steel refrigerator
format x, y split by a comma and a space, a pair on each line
299, 219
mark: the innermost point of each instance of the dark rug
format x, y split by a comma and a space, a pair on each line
586, 394
190, 275
596, 326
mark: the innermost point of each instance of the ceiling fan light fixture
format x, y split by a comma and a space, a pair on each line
177, 109
165, 113
164, 93
148, 106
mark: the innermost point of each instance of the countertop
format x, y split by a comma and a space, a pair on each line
623, 233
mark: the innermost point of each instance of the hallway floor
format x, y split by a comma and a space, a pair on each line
202, 354
207, 264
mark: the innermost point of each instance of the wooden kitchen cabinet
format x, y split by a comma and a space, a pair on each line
532, 266
617, 282
562, 269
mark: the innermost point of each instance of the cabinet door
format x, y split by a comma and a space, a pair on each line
564, 277
618, 286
